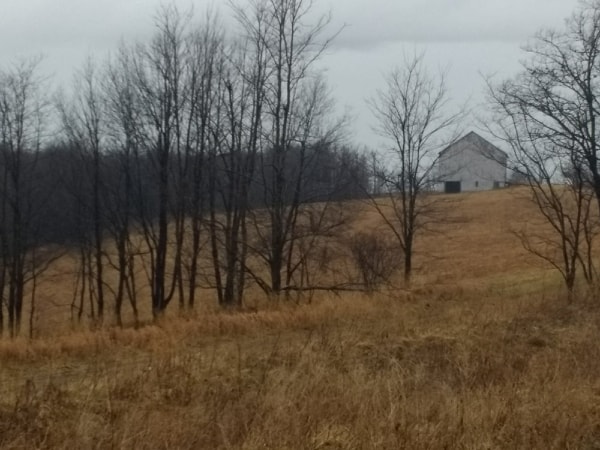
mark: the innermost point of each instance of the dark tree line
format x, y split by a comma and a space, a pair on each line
198, 159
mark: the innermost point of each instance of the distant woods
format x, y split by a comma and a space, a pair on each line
208, 163
199, 161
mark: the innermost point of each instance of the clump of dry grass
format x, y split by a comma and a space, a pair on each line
397, 375
482, 352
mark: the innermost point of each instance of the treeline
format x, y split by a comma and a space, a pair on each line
201, 158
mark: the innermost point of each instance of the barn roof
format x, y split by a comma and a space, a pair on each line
484, 143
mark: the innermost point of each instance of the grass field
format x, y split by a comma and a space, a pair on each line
483, 352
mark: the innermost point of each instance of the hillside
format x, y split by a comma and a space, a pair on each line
482, 352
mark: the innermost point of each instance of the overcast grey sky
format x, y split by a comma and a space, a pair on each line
469, 37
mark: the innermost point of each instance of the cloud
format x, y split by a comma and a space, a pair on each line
376, 22
27, 24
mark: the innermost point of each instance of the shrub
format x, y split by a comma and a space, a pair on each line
375, 258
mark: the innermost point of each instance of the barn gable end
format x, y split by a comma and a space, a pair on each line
471, 164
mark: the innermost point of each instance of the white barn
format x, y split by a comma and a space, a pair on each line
471, 164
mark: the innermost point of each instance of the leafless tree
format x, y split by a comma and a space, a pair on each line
232, 162
161, 82
124, 147
23, 108
549, 115
83, 123
292, 120
412, 116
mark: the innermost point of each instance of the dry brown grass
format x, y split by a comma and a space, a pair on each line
483, 352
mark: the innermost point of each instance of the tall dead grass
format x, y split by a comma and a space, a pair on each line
483, 352
426, 373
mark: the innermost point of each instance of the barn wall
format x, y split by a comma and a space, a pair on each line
465, 162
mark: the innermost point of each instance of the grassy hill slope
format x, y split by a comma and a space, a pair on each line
482, 352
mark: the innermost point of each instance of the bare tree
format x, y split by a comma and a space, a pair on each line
123, 157
23, 108
549, 115
565, 203
83, 124
411, 113
232, 162
161, 83
292, 121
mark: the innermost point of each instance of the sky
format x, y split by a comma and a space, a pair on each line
467, 39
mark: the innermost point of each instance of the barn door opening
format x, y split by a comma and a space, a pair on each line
452, 187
